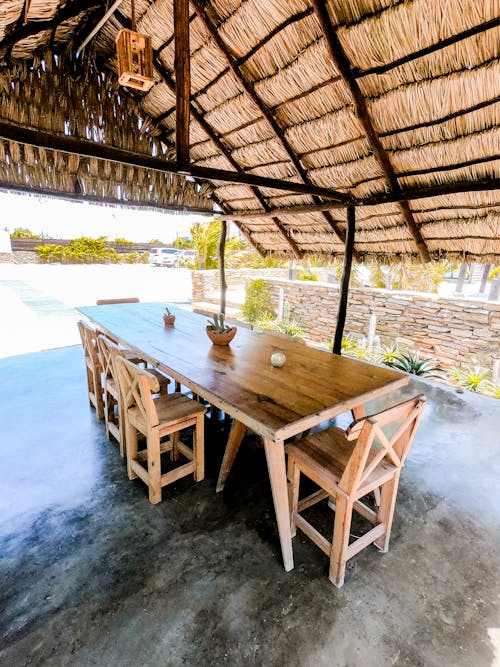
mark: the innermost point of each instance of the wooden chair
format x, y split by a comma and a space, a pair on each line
93, 367
113, 409
156, 418
348, 465
109, 302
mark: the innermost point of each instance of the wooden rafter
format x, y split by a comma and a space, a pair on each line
68, 144
69, 11
442, 44
342, 63
266, 113
182, 81
375, 200
168, 80
79, 197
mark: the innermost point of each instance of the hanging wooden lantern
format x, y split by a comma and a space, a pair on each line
135, 60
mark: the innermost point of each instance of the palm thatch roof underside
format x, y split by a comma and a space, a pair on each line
381, 101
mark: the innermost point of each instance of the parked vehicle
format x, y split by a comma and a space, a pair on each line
165, 257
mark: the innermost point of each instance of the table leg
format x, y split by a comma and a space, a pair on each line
358, 412
275, 455
236, 435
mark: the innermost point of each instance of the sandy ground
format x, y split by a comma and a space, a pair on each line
38, 301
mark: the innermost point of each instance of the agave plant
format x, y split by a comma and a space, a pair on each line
388, 353
293, 328
470, 378
491, 389
266, 323
411, 363
352, 347
218, 325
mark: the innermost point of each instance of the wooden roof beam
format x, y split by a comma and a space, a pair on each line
168, 80
69, 11
68, 144
438, 46
376, 200
266, 113
182, 81
343, 65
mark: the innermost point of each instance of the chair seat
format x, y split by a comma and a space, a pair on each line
326, 455
172, 409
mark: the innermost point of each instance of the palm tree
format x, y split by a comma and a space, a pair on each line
206, 237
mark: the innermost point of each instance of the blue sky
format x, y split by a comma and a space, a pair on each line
64, 219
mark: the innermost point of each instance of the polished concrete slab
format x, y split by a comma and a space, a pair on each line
92, 574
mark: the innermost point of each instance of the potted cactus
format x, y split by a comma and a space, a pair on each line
168, 318
219, 332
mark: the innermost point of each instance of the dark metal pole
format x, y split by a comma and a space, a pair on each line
222, 267
344, 283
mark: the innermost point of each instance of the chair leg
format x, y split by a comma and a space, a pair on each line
122, 429
96, 382
131, 443
199, 448
293, 492
108, 409
340, 542
386, 511
174, 452
154, 466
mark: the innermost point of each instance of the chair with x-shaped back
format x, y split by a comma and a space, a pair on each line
348, 465
157, 418
93, 367
113, 410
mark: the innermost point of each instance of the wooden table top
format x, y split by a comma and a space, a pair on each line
312, 386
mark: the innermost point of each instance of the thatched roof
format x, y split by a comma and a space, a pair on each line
371, 98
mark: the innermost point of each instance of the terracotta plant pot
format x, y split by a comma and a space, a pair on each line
221, 338
169, 320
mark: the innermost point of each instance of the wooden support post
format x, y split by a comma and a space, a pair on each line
484, 278
182, 81
344, 283
461, 278
222, 267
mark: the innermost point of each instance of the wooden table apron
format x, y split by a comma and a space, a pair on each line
276, 403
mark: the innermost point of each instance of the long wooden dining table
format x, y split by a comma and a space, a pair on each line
276, 403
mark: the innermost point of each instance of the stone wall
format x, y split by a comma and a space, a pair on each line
24, 257
205, 284
451, 330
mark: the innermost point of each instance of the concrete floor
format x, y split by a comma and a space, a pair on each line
92, 574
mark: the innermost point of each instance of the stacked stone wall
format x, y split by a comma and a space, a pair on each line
455, 331
21, 257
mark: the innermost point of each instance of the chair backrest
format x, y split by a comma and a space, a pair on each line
374, 446
107, 302
136, 389
89, 342
108, 351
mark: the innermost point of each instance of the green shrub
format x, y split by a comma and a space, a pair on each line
23, 233
266, 323
85, 250
308, 276
122, 241
135, 257
257, 301
494, 274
